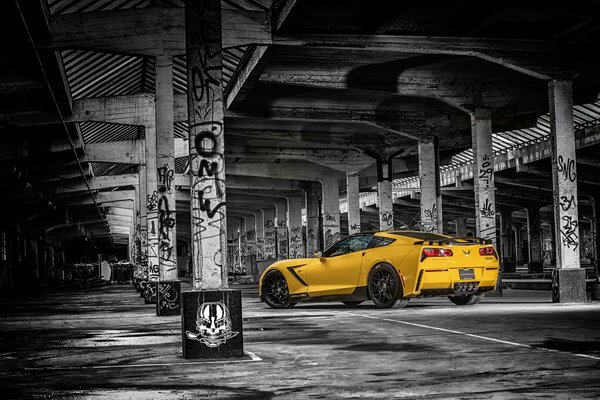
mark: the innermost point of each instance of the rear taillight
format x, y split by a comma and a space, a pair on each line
487, 251
435, 252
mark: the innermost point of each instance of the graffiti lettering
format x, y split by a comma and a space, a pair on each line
487, 210
566, 203
152, 200
569, 232
567, 168
165, 177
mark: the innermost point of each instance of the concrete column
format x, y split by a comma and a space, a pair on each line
207, 187
352, 192
168, 299
569, 280
270, 234
250, 234
282, 230
151, 216
461, 227
331, 212
518, 243
534, 233
243, 245
384, 200
312, 219
296, 243
483, 170
431, 198
260, 235
506, 240
143, 200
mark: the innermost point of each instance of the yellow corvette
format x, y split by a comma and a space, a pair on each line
388, 268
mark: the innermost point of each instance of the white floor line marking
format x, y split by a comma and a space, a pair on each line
475, 336
253, 358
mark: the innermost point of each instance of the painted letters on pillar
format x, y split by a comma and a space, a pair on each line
296, 242
153, 242
207, 164
282, 242
270, 239
483, 171
166, 218
331, 228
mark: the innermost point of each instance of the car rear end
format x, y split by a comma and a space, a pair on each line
456, 266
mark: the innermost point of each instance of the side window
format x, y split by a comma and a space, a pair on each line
360, 242
338, 249
379, 241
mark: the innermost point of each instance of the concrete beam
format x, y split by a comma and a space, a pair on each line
520, 55
98, 183
151, 31
125, 152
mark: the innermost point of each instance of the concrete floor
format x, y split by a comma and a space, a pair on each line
104, 343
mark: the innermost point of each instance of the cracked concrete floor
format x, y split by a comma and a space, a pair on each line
104, 343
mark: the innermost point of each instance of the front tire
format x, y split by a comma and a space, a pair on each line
467, 300
275, 291
385, 287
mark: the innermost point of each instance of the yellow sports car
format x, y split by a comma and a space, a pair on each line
387, 267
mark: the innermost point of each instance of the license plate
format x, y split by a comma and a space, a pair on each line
466, 273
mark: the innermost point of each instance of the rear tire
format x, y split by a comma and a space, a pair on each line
467, 300
385, 287
275, 291
352, 303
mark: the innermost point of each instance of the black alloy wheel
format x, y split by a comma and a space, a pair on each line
275, 291
385, 287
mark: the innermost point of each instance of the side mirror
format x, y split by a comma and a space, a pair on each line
319, 255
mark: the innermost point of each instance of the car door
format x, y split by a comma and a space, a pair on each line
337, 272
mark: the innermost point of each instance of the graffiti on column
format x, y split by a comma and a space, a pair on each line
331, 230
296, 243
166, 220
270, 240
260, 254
207, 139
282, 240
168, 296
429, 219
566, 168
387, 220
485, 199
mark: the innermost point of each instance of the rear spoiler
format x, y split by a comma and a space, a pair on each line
470, 240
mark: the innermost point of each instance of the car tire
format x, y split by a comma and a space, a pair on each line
275, 291
352, 303
467, 300
385, 287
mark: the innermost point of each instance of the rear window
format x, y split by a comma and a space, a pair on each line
378, 241
421, 235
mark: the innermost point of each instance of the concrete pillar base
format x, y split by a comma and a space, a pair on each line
200, 340
168, 298
568, 285
150, 293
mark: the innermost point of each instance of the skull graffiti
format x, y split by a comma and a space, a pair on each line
213, 325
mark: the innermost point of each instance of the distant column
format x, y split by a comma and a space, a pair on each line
353, 201
568, 280
331, 212
296, 244
483, 171
312, 218
270, 233
260, 235
534, 231
169, 288
384, 200
282, 230
431, 198
151, 216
